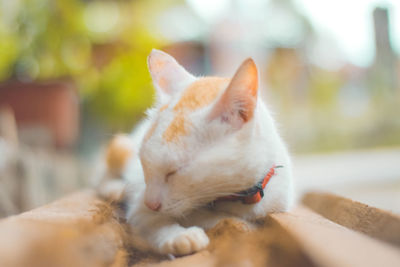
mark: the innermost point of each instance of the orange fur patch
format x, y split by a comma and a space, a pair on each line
163, 107
197, 95
118, 152
201, 93
177, 128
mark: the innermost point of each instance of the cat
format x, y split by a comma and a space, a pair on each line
205, 140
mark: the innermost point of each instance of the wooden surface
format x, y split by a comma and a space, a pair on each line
82, 230
76, 231
374, 222
330, 244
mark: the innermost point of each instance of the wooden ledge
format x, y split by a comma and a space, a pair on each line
330, 244
360, 217
79, 230
82, 230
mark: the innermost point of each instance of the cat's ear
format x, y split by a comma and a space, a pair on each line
237, 103
168, 76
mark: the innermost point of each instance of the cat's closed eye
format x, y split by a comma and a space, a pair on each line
169, 175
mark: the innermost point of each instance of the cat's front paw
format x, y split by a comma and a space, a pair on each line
185, 242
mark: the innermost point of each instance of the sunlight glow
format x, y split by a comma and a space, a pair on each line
350, 24
347, 23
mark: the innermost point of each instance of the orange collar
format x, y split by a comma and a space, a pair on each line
252, 195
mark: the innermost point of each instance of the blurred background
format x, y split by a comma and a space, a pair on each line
73, 73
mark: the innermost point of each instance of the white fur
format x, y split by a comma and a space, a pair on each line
212, 161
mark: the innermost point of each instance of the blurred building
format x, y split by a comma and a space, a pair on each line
384, 72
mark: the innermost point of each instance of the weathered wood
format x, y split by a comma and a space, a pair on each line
372, 221
330, 244
79, 230
82, 230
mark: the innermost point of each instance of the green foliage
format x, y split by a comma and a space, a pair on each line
123, 88
8, 51
101, 45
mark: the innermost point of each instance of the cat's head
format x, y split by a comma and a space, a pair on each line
200, 143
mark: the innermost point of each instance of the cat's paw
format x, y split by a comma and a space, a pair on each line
185, 242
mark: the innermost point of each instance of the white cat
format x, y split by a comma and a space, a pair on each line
205, 142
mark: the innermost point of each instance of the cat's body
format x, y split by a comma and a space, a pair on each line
205, 138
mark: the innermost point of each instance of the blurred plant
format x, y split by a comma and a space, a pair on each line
101, 45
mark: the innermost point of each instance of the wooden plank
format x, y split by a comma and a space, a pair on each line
372, 221
79, 230
82, 230
330, 244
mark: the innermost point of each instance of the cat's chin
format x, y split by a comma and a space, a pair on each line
177, 214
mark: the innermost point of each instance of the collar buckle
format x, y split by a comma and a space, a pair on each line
260, 189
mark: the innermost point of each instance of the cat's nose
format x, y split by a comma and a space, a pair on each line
156, 206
